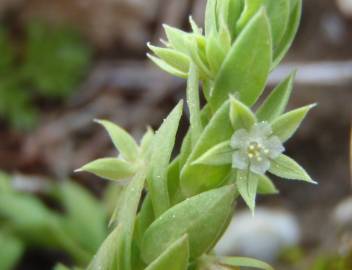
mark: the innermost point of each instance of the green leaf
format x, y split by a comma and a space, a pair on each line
174, 58
247, 184
235, 10
285, 167
290, 33
277, 101
278, 13
251, 7
178, 39
175, 257
144, 219
163, 145
287, 124
127, 217
214, 52
85, 218
246, 66
110, 168
221, 154
242, 262
201, 217
122, 140
10, 252
109, 253
266, 186
167, 68
196, 127
147, 143
61, 267
210, 17
199, 178
240, 115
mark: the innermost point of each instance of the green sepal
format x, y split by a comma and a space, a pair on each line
241, 116
122, 140
163, 145
110, 168
202, 217
175, 257
236, 73
277, 101
266, 186
247, 185
221, 154
285, 167
147, 143
287, 124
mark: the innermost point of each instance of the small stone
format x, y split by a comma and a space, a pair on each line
261, 236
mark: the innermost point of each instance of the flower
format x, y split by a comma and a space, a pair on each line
254, 149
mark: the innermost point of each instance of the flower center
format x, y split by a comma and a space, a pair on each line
257, 151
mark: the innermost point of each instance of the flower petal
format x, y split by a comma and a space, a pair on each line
260, 167
275, 147
240, 139
261, 131
240, 160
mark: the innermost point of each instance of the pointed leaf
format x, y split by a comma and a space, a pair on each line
250, 54
247, 184
266, 186
178, 39
147, 143
163, 145
277, 101
278, 13
210, 17
290, 33
285, 167
174, 58
221, 154
108, 255
199, 178
251, 7
202, 217
240, 115
174, 258
127, 217
193, 103
122, 140
110, 168
243, 262
167, 68
287, 124
215, 53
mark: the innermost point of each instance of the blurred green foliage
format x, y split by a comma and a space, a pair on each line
48, 64
25, 221
333, 262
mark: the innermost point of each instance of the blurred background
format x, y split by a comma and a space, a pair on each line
64, 63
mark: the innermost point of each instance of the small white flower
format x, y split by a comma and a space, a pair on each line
254, 149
